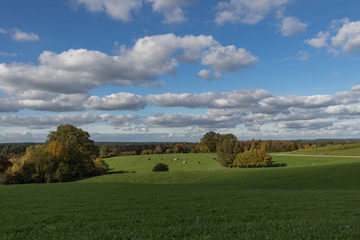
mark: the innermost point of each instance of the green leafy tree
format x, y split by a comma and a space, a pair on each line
210, 140
227, 149
39, 166
105, 151
67, 154
79, 151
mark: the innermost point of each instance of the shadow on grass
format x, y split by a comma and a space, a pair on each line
119, 172
278, 165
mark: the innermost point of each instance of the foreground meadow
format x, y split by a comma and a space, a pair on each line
305, 198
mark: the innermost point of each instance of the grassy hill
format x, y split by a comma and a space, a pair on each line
344, 150
310, 198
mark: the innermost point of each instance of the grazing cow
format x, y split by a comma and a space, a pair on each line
176, 159
198, 162
149, 158
184, 162
214, 158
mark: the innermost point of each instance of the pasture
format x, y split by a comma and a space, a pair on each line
307, 198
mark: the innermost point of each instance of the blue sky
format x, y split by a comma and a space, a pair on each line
171, 70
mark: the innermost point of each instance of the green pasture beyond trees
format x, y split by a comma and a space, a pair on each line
310, 198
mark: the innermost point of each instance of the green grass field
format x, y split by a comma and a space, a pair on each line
310, 198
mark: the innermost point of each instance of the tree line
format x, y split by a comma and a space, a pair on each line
69, 153
207, 144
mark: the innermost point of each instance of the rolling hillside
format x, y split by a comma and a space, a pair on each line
306, 198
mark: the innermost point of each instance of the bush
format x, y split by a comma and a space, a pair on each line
101, 167
160, 167
253, 158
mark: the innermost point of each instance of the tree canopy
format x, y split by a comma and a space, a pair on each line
68, 153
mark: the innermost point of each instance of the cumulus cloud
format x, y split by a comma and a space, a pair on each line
142, 129
9, 105
182, 120
119, 101
343, 34
21, 137
236, 99
308, 124
319, 41
121, 120
291, 26
172, 9
205, 74
348, 36
20, 36
3, 31
57, 103
309, 102
256, 108
39, 122
228, 59
77, 71
245, 11
119, 10
122, 10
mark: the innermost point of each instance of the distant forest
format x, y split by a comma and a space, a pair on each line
110, 149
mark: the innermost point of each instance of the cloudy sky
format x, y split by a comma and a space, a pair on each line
171, 70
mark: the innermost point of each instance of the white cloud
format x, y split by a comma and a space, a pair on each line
172, 9
236, 99
3, 31
119, 101
291, 26
181, 100
119, 10
245, 11
307, 124
319, 41
181, 120
348, 37
228, 59
253, 109
121, 120
46, 121
205, 74
142, 129
57, 103
77, 71
122, 9
345, 36
20, 36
